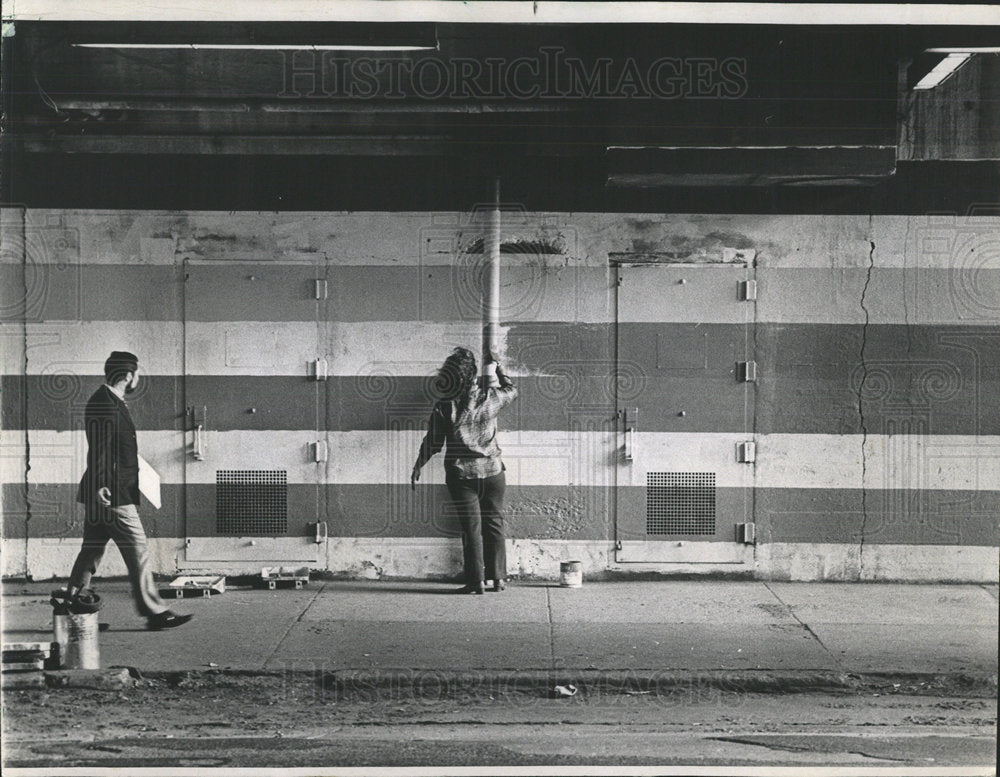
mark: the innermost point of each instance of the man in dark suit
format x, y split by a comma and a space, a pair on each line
109, 491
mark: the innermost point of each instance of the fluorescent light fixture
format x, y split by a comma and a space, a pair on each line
943, 70
253, 46
967, 50
240, 36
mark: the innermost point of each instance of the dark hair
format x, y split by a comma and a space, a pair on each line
457, 375
118, 365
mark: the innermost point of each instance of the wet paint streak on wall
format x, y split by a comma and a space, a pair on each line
876, 411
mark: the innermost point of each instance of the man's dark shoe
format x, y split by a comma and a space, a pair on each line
500, 585
477, 588
166, 620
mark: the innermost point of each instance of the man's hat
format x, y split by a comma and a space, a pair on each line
123, 360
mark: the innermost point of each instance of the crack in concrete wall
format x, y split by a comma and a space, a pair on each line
24, 398
861, 412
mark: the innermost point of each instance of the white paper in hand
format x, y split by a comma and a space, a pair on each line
149, 483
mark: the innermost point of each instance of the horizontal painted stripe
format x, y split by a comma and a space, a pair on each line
152, 237
556, 512
373, 402
936, 380
879, 516
287, 292
531, 458
934, 462
916, 379
75, 292
967, 294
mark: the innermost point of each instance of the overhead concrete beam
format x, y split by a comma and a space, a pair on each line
298, 145
748, 165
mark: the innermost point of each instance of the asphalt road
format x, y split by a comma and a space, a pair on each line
248, 721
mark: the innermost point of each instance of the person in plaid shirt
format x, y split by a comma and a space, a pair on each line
466, 419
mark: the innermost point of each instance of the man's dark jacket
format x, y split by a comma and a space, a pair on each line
112, 451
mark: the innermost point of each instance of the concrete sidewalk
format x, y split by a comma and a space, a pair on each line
687, 626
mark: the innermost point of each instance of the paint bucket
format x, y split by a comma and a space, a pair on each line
571, 574
76, 635
74, 630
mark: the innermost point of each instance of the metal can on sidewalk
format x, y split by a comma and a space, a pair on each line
571, 574
76, 634
74, 629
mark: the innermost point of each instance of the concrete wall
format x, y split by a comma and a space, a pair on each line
876, 412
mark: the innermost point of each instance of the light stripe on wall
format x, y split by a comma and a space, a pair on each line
814, 461
153, 238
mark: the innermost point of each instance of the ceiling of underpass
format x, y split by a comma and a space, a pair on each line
661, 117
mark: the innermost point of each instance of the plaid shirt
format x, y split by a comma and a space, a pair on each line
469, 425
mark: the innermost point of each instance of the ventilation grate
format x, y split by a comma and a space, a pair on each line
251, 502
680, 503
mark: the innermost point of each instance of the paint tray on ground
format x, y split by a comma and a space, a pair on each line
205, 584
25, 656
299, 576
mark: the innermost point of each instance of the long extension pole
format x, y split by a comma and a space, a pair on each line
491, 279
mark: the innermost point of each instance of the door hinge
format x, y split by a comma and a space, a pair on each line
748, 290
747, 371
746, 452
746, 533
320, 369
321, 288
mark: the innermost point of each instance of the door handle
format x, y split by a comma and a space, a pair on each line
198, 420
630, 424
199, 443
322, 531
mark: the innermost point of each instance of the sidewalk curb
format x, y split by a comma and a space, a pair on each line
658, 682
380, 684
90, 679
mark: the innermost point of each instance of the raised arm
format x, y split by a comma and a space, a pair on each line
505, 390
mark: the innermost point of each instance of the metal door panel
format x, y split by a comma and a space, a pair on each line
681, 493
246, 385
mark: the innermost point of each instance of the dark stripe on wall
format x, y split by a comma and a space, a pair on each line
293, 404
913, 380
917, 517
287, 292
92, 292
889, 516
58, 401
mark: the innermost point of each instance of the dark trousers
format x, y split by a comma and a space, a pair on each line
122, 525
479, 503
